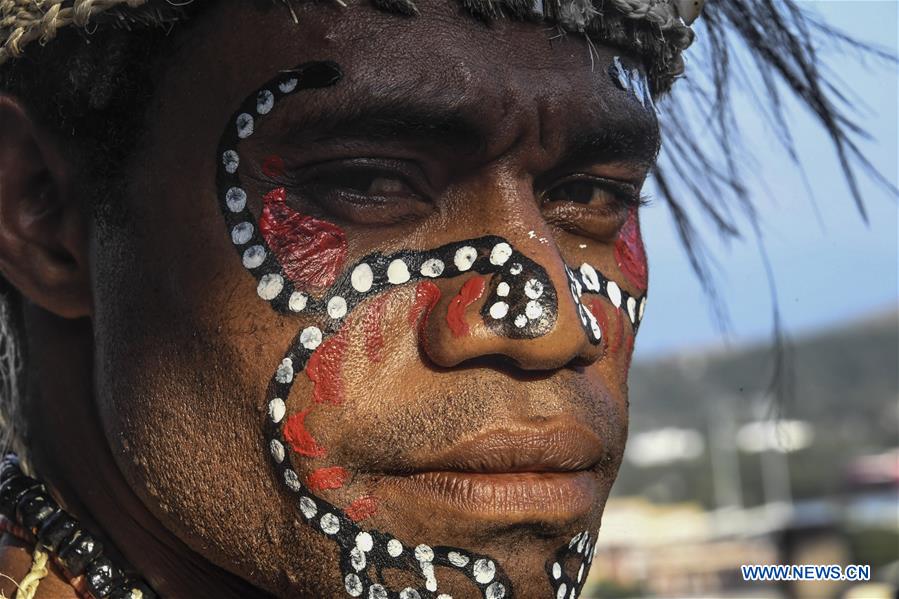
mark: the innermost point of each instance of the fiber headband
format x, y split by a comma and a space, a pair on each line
655, 30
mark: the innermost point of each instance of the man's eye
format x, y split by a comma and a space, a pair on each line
591, 206
368, 184
601, 193
365, 192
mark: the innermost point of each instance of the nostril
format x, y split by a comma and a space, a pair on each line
509, 366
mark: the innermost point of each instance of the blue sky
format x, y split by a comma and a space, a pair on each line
830, 267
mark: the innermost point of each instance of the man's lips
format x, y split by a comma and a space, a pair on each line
525, 474
560, 448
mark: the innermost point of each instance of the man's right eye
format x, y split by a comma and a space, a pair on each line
365, 192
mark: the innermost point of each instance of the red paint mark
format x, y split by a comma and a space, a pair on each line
362, 508
630, 253
273, 166
327, 478
596, 307
372, 329
470, 293
427, 294
312, 252
324, 369
300, 439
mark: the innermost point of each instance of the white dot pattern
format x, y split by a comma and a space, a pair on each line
253, 257
242, 233
276, 410
337, 307
432, 268
297, 301
231, 161
465, 257
362, 278
236, 199
398, 272
245, 125
265, 102
499, 310
270, 286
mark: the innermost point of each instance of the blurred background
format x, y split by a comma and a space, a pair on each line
717, 472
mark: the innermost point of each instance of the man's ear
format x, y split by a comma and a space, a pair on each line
43, 232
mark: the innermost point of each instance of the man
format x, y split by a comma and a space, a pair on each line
409, 380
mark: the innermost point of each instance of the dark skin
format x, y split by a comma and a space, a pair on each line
153, 351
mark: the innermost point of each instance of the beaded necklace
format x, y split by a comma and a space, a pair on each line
33, 516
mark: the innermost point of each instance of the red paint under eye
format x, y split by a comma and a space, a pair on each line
311, 252
471, 292
324, 369
327, 478
362, 508
630, 253
273, 166
372, 329
300, 439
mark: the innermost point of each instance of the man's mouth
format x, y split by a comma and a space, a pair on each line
526, 474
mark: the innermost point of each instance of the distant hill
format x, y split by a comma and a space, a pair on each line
846, 386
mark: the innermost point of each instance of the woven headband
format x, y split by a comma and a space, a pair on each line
659, 30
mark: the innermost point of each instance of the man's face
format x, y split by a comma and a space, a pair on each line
412, 372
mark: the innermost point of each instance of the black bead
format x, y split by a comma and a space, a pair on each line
132, 589
9, 467
76, 553
55, 529
34, 508
12, 490
102, 577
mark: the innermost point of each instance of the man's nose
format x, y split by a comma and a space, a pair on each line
520, 300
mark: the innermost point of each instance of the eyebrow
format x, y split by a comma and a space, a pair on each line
626, 139
435, 121
390, 120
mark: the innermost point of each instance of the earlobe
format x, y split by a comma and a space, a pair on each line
43, 231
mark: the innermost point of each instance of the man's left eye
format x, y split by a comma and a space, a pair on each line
372, 184
598, 192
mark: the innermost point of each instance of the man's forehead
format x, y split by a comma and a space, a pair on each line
470, 81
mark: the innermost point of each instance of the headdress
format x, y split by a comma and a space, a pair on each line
656, 30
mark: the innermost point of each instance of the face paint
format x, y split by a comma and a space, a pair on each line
298, 263
324, 369
577, 555
311, 252
427, 294
300, 439
362, 508
273, 167
471, 292
633, 81
630, 253
372, 329
327, 478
